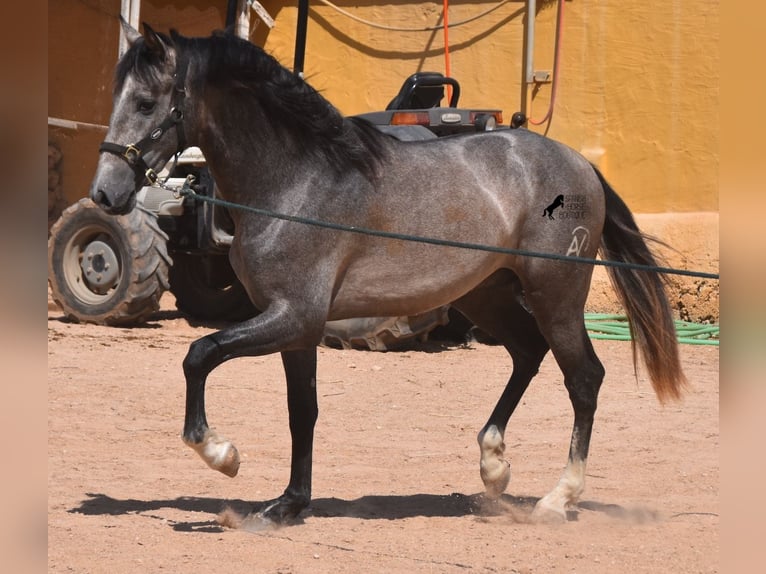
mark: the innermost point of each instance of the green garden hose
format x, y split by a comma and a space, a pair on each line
615, 327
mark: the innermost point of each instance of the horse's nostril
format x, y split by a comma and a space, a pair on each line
101, 199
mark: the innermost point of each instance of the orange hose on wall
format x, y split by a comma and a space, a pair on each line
447, 67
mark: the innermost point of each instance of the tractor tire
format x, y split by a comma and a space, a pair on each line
107, 269
207, 289
382, 333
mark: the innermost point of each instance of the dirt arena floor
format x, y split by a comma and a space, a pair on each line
396, 481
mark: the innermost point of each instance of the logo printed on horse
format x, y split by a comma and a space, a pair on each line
558, 202
580, 241
573, 206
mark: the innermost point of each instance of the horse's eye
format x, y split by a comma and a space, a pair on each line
146, 106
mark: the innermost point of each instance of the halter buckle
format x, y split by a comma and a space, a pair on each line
151, 175
131, 154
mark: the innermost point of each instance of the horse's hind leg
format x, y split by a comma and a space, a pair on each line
583, 374
559, 313
496, 307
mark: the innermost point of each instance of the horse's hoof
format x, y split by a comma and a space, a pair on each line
546, 514
496, 474
494, 469
283, 510
218, 453
227, 461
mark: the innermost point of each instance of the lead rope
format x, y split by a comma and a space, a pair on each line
186, 190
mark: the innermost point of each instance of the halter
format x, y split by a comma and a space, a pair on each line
133, 153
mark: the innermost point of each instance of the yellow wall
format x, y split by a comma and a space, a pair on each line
638, 83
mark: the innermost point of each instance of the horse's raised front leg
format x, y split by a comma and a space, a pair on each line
272, 331
204, 355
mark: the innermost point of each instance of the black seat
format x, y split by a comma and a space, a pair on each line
424, 90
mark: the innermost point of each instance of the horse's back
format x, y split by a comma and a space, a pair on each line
511, 161
486, 189
494, 188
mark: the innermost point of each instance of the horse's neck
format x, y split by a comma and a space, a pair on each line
250, 163
260, 154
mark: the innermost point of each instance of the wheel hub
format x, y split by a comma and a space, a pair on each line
100, 267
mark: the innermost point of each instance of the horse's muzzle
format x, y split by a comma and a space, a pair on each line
102, 199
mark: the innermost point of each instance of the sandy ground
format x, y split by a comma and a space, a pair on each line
396, 481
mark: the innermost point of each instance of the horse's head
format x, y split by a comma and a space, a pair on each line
146, 127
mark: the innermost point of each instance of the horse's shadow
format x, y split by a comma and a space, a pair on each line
371, 507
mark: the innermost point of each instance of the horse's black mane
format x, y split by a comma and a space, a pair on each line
292, 106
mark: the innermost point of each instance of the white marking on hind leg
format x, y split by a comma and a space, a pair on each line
218, 453
495, 470
552, 507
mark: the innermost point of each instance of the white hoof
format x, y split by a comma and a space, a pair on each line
547, 513
494, 469
552, 507
218, 453
496, 477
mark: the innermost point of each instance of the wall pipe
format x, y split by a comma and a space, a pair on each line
300, 37
529, 68
130, 10
135, 13
556, 64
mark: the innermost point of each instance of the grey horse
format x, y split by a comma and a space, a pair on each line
274, 142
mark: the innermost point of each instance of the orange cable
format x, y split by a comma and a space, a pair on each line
447, 68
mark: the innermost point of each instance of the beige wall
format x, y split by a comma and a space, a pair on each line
638, 83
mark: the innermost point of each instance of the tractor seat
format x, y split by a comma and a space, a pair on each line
424, 90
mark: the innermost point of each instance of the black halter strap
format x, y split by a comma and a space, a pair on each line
133, 153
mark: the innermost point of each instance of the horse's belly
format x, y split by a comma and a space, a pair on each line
389, 288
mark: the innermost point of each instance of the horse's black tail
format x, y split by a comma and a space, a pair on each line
643, 297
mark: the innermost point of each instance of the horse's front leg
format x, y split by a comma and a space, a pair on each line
204, 355
300, 370
272, 331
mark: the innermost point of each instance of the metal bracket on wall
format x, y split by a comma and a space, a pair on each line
262, 13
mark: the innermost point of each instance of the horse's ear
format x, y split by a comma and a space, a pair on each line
153, 40
131, 34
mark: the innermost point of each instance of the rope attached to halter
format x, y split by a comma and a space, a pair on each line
187, 191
